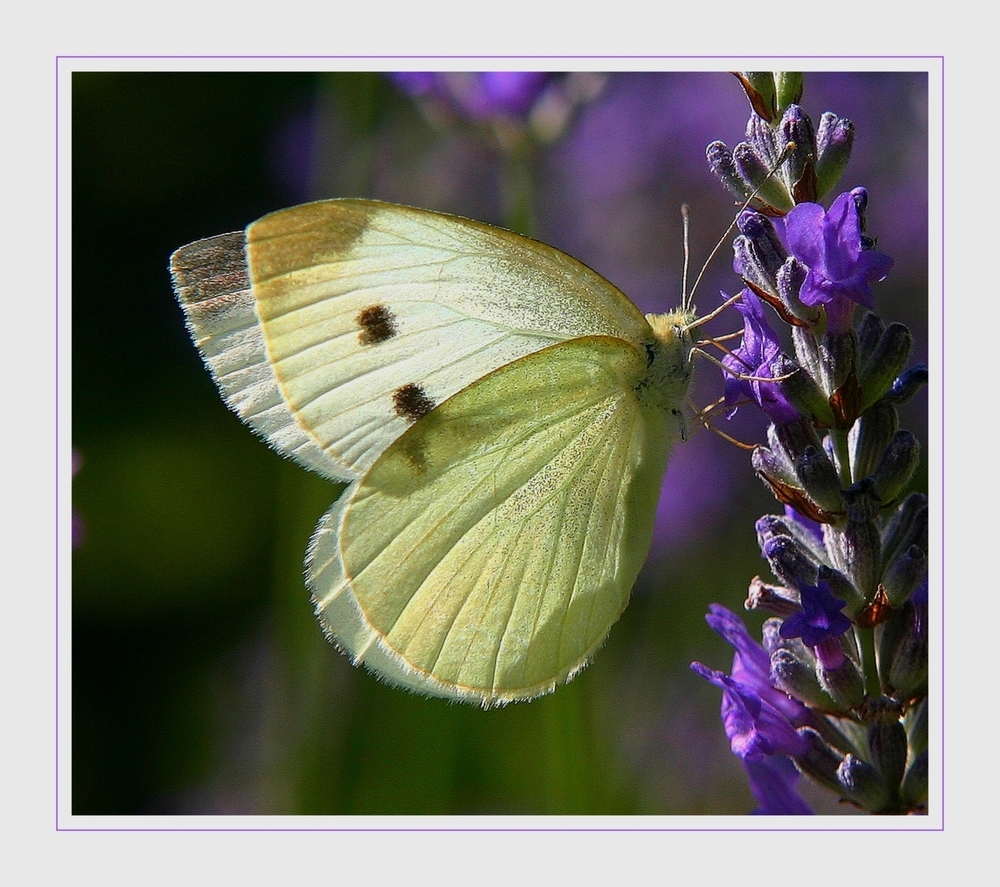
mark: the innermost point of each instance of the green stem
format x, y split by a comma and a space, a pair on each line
866, 646
843, 454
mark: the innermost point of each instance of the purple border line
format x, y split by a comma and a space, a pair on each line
940, 59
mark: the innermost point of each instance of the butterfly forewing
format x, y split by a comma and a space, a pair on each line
521, 510
358, 300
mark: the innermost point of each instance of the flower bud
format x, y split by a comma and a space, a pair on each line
800, 169
819, 479
841, 680
722, 164
834, 139
907, 384
789, 279
870, 332
915, 720
855, 551
860, 781
807, 354
788, 562
869, 436
821, 762
861, 501
793, 667
914, 788
798, 679
774, 599
907, 527
755, 171
887, 745
907, 672
759, 252
774, 466
792, 438
904, 574
838, 355
884, 363
802, 392
896, 467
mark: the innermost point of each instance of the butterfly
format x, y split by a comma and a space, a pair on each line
502, 416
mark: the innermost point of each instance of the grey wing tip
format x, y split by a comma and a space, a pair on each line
208, 268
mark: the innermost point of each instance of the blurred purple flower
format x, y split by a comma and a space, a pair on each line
831, 244
759, 355
477, 95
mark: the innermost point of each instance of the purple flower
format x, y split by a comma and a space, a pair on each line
759, 719
833, 247
821, 618
772, 781
759, 355
477, 95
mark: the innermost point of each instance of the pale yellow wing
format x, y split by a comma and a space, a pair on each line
488, 551
331, 327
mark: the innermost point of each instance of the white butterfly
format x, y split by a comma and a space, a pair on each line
502, 413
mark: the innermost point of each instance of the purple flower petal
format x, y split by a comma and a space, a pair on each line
821, 618
758, 355
772, 781
831, 245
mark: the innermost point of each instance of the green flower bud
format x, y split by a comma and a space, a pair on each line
903, 575
821, 762
802, 392
861, 782
760, 89
887, 745
856, 551
834, 140
907, 673
843, 683
884, 363
869, 437
896, 467
787, 88
907, 527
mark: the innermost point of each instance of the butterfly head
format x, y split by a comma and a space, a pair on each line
669, 356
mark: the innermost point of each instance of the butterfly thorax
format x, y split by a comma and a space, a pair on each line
669, 356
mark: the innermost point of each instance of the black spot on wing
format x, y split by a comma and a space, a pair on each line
411, 402
377, 324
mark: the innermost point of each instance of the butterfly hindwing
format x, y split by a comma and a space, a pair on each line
487, 552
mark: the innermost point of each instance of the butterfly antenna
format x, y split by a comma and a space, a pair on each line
686, 221
785, 154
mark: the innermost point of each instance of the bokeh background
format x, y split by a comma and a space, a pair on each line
201, 681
